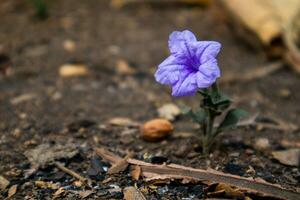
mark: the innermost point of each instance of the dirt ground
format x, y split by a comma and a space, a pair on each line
59, 110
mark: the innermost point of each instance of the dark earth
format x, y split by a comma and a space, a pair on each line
76, 110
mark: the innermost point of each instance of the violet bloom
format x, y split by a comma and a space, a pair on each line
192, 64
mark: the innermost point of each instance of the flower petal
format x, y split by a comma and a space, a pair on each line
208, 73
207, 50
186, 85
168, 71
179, 41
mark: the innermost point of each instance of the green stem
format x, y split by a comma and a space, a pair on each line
215, 87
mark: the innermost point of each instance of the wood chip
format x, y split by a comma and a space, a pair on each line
122, 121
169, 111
71, 70
69, 45
131, 193
3, 183
121, 165
136, 172
106, 155
123, 68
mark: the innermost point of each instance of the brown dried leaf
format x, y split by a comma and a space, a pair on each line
131, 193
59, 192
265, 18
12, 191
85, 193
290, 143
50, 153
288, 157
227, 190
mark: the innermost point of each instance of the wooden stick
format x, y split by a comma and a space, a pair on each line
70, 172
173, 171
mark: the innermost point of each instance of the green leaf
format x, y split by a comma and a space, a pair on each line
185, 110
219, 99
231, 119
199, 116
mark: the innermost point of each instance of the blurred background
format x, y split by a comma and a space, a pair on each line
65, 59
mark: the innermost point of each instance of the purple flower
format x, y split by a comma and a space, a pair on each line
192, 64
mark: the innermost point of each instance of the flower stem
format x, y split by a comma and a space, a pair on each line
208, 129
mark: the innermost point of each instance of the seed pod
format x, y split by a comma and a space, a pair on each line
156, 130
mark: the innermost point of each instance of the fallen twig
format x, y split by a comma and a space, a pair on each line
122, 3
173, 171
274, 124
70, 172
253, 74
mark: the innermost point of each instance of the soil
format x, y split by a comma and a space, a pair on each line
77, 109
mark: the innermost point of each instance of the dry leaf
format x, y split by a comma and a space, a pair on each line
123, 68
59, 192
265, 18
136, 172
12, 191
131, 193
291, 39
288, 157
70, 70
290, 143
3, 183
169, 111
226, 190
156, 130
122, 121
86, 193
50, 153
